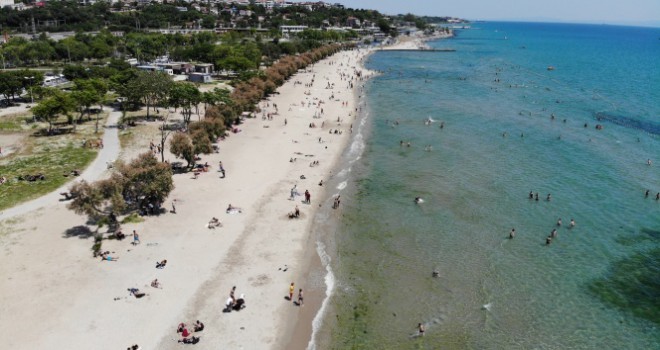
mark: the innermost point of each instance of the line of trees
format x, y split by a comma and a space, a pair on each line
68, 15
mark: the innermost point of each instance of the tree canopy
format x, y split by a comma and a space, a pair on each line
138, 185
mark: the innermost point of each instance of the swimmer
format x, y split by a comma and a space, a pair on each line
419, 200
646, 194
512, 233
657, 196
572, 224
421, 329
559, 222
548, 241
553, 234
536, 196
648, 162
435, 273
549, 197
531, 195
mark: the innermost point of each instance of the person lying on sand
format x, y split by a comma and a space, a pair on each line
136, 292
198, 326
161, 265
106, 256
214, 222
156, 284
231, 209
193, 340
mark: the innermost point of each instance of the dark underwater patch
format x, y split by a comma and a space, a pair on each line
628, 122
633, 285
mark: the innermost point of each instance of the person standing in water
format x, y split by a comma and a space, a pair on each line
572, 224
420, 328
512, 233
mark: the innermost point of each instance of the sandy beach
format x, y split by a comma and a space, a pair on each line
55, 294
414, 41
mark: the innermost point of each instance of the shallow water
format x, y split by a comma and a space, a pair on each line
596, 286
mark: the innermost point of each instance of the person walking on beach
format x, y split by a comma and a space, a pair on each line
221, 169
308, 197
291, 289
300, 297
293, 192
232, 294
136, 238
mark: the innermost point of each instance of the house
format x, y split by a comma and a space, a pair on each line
353, 22
205, 68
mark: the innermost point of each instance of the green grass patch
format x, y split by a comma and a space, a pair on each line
134, 218
53, 162
14, 122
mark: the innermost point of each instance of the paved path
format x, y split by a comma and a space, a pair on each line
107, 154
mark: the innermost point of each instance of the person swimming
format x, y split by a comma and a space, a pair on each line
549, 198
419, 200
553, 234
572, 224
559, 222
531, 195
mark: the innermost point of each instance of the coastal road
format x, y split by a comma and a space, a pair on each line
107, 154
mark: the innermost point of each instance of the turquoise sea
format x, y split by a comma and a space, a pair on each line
596, 286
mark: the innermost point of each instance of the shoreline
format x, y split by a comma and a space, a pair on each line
301, 333
260, 251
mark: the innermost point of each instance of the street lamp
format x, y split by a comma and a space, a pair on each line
31, 84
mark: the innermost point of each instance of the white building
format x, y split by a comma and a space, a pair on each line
292, 29
4, 3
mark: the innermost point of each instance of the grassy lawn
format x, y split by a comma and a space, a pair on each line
52, 156
14, 122
53, 162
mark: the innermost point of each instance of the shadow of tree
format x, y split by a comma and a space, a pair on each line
82, 232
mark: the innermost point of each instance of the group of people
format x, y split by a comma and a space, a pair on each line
336, 203
535, 196
295, 214
214, 222
657, 195
292, 288
186, 334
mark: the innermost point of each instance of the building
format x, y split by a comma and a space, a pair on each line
292, 29
4, 3
205, 68
199, 78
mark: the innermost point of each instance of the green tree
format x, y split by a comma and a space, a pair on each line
50, 109
143, 183
182, 147
150, 87
10, 85
184, 95
201, 142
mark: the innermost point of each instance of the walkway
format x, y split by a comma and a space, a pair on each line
107, 154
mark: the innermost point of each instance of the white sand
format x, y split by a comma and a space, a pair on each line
55, 295
415, 41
